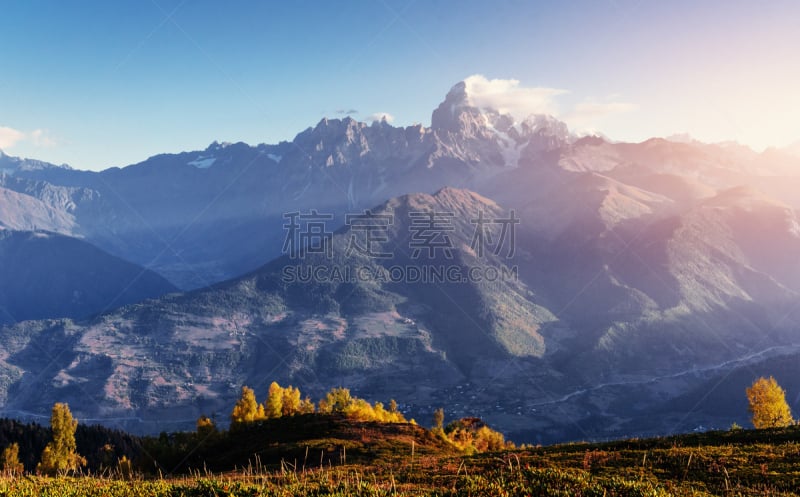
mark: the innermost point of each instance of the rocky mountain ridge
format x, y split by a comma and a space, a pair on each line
643, 271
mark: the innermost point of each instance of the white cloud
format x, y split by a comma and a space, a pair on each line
42, 138
587, 117
508, 97
594, 110
9, 137
379, 116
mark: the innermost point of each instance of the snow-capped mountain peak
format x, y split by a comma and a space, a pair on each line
458, 114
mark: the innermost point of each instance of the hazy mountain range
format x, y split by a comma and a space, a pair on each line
650, 277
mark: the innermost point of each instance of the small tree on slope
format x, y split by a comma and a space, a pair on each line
768, 404
61, 456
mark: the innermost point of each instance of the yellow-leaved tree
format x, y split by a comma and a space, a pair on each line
336, 400
285, 402
438, 419
291, 401
10, 459
274, 405
206, 427
307, 406
340, 401
768, 404
246, 408
61, 456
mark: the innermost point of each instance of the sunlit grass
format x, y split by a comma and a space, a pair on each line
740, 463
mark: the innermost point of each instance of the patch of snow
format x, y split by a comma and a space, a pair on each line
203, 162
510, 149
276, 158
218, 146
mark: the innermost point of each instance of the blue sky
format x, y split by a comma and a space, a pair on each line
100, 84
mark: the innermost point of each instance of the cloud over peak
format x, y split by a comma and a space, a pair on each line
508, 97
41, 138
10, 137
379, 116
